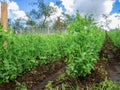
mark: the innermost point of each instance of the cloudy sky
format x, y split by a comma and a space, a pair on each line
111, 8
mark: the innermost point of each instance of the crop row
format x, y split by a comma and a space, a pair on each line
115, 36
20, 53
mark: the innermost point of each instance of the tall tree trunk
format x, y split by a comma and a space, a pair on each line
43, 24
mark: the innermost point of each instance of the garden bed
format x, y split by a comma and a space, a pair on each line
38, 79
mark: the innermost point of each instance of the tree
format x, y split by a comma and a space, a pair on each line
67, 20
44, 11
18, 25
30, 22
64, 22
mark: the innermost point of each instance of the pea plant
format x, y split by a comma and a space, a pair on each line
26, 51
83, 51
115, 36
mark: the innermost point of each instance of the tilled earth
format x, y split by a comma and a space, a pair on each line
107, 67
112, 53
37, 79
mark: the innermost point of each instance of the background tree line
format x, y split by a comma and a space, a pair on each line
38, 19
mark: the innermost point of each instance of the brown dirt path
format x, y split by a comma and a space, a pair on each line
37, 79
112, 53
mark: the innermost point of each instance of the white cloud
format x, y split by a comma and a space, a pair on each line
14, 11
113, 21
13, 6
58, 10
95, 7
68, 6
108, 6
18, 14
58, 13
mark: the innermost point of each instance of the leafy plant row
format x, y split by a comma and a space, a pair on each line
115, 36
20, 53
87, 41
24, 52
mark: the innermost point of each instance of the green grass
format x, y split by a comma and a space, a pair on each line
115, 36
105, 85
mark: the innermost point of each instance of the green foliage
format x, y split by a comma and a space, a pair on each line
115, 36
84, 47
80, 24
26, 51
20, 86
104, 85
107, 85
49, 85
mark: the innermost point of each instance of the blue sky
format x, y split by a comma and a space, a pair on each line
116, 7
26, 5
19, 8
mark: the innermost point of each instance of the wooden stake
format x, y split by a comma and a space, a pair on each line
48, 30
59, 25
4, 15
